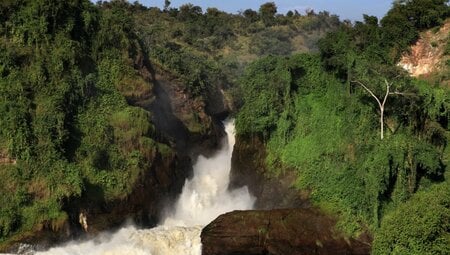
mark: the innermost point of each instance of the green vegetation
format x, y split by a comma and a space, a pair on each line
206, 48
368, 141
318, 115
407, 17
70, 72
63, 118
419, 226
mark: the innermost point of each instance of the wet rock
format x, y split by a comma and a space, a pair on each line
182, 118
248, 168
156, 186
277, 232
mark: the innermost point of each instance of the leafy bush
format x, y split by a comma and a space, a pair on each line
419, 226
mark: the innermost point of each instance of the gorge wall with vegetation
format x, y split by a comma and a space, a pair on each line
101, 104
67, 70
322, 115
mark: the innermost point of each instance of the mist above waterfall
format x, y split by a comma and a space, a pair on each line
204, 197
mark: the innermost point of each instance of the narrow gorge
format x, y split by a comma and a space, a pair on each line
185, 129
203, 198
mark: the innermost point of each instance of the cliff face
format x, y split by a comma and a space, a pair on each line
181, 118
181, 121
189, 124
249, 169
90, 214
427, 56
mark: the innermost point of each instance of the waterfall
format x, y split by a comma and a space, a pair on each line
204, 197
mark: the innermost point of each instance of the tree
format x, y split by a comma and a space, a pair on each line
423, 14
189, 12
290, 14
251, 15
267, 12
381, 104
381, 101
166, 5
337, 50
419, 226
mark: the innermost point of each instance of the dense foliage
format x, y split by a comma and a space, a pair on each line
65, 126
209, 47
318, 116
70, 72
419, 226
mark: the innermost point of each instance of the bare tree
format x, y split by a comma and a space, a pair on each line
382, 104
381, 101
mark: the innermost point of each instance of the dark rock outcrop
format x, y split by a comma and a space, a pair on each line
248, 168
277, 232
182, 118
156, 186
90, 214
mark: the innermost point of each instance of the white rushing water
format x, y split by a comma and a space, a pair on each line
203, 198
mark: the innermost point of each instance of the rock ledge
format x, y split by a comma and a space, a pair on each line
282, 231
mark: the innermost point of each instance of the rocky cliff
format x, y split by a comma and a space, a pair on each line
429, 54
249, 169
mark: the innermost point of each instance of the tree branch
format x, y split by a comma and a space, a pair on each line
402, 93
388, 85
370, 92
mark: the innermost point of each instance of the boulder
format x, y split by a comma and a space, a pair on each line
278, 232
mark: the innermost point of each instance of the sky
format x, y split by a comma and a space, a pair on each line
345, 9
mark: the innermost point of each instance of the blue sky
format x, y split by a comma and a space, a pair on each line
346, 9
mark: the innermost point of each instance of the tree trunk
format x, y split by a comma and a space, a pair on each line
382, 122
380, 104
